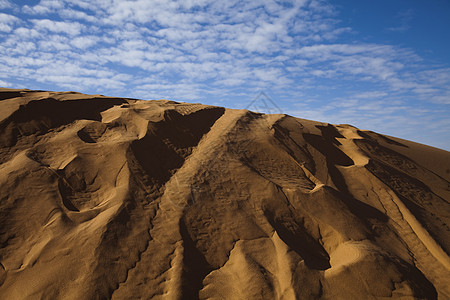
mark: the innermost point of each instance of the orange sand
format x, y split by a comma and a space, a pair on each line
127, 199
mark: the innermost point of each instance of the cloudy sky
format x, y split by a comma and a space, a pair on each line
380, 65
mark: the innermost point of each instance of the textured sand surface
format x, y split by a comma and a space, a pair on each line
128, 199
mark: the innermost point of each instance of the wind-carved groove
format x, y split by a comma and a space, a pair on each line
333, 155
118, 172
64, 190
92, 132
77, 191
397, 161
169, 142
7, 95
417, 197
305, 158
297, 238
139, 249
38, 117
135, 263
361, 210
154, 158
195, 266
249, 152
326, 144
2, 274
126, 238
144, 210
394, 159
370, 135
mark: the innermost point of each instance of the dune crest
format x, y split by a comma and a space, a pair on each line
120, 198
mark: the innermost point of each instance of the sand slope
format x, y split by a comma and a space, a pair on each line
127, 199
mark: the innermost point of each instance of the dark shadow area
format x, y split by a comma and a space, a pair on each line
299, 153
65, 191
370, 135
169, 142
38, 117
421, 286
185, 131
85, 137
296, 237
155, 158
400, 182
359, 209
92, 132
9, 94
125, 238
328, 149
2, 274
374, 149
195, 266
334, 156
330, 133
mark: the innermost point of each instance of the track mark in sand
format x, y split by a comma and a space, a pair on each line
173, 285
186, 109
263, 232
423, 235
424, 260
135, 263
426, 251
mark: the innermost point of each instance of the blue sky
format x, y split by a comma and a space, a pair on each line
378, 65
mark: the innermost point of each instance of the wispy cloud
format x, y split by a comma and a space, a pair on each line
403, 18
218, 52
5, 4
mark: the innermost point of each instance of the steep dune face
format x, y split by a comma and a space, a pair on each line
120, 198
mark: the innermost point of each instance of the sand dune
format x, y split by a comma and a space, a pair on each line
127, 199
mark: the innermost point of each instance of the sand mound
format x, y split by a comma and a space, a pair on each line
120, 198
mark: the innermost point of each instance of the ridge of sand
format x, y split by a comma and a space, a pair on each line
104, 197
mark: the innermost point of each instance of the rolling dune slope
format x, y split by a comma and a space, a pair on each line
128, 199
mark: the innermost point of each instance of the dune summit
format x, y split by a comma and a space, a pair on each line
128, 199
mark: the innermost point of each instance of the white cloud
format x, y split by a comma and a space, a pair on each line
441, 98
68, 13
404, 18
24, 33
4, 84
371, 94
214, 51
55, 42
5, 27
44, 7
8, 19
84, 42
7, 22
70, 28
5, 4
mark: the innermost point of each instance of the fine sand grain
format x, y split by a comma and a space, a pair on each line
113, 198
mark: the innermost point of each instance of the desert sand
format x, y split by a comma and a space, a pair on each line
112, 198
